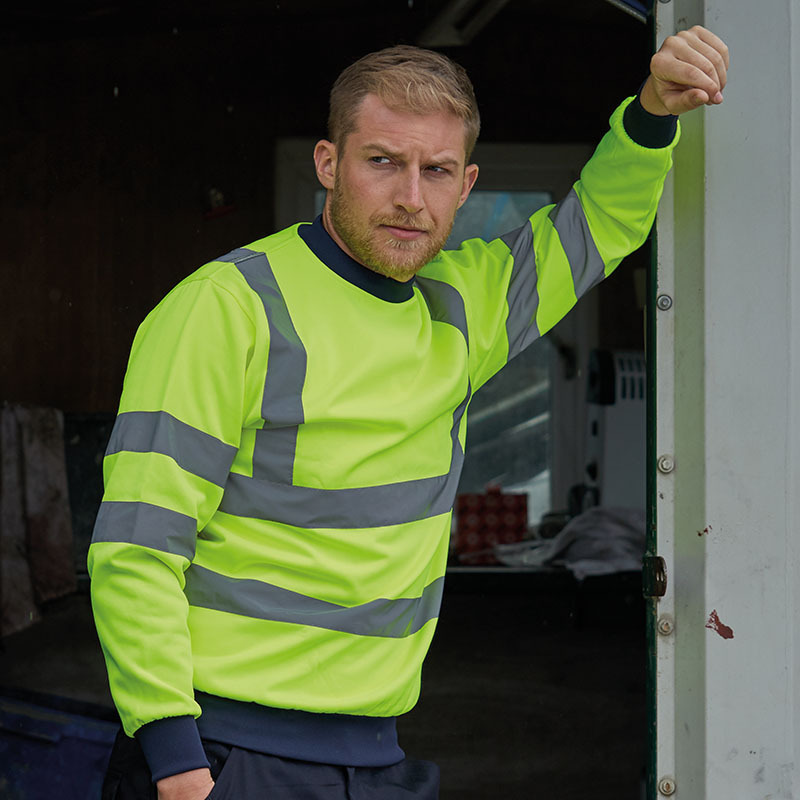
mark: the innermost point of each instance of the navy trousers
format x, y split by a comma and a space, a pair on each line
244, 775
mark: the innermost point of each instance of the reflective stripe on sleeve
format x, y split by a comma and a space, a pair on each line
386, 618
585, 262
146, 525
523, 294
193, 450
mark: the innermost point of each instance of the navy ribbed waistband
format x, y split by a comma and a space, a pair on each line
344, 739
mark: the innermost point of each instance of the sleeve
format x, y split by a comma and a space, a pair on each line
172, 446
517, 287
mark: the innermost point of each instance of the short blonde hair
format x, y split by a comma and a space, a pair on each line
405, 78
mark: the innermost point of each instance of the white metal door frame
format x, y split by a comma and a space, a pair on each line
727, 442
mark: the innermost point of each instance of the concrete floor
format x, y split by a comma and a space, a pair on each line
525, 694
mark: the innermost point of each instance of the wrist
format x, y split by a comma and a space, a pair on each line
650, 100
195, 784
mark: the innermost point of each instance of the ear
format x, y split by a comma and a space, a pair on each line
325, 158
470, 176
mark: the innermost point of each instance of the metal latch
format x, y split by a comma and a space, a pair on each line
654, 576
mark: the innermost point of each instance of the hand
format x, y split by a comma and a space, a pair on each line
689, 70
196, 784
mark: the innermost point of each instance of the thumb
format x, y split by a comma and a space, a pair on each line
694, 98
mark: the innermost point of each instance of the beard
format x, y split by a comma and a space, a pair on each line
376, 248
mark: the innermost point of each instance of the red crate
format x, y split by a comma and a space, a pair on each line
486, 520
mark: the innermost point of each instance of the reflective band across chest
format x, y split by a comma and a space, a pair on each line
270, 493
395, 619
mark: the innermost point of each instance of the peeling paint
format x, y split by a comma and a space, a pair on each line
715, 624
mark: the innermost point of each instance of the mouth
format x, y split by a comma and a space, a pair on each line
404, 233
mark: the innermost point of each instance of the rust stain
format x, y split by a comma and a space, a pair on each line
705, 531
715, 624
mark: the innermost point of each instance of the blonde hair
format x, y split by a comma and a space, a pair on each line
405, 78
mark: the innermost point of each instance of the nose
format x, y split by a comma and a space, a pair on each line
408, 193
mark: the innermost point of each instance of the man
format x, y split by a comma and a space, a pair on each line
268, 560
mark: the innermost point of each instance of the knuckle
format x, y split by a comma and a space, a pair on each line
657, 61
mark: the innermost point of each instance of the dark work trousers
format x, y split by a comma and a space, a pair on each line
245, 775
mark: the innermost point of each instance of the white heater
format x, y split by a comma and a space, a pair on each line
616, 433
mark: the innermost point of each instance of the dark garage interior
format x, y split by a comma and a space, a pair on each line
138, 143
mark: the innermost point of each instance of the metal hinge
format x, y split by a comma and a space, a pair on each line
654, 576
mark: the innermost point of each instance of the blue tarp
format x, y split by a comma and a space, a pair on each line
48, 753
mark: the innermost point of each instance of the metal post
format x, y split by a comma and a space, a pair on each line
728, 405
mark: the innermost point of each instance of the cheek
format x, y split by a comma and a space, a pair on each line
364, 194
444, 206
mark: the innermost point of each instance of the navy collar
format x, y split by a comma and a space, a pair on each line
329, 253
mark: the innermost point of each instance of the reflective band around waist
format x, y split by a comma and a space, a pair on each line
159, 432
146, 525
394, 619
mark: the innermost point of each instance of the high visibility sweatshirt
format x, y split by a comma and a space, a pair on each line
269, 555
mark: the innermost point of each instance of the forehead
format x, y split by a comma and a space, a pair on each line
402, 131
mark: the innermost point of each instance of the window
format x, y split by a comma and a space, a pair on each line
508, 425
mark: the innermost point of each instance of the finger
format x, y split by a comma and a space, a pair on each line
670, 68
713, 56
714, 41
686, 51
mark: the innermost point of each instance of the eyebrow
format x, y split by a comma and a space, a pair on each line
375, 147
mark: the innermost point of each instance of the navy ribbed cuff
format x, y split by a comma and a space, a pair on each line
171, 746
646, 129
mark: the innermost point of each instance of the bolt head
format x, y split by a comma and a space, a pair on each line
667, 787
664, 302
666, 626
666, 464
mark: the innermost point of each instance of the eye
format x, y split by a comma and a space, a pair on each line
379, 160
435, 169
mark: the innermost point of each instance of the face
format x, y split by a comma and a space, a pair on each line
394, 188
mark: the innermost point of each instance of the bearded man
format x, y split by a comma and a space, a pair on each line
268, 560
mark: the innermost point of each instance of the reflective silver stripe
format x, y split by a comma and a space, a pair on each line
281, 406
159, 432
146, 525
587, 266
445, 303
395, 619
270, 493
523, 293
364, 507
